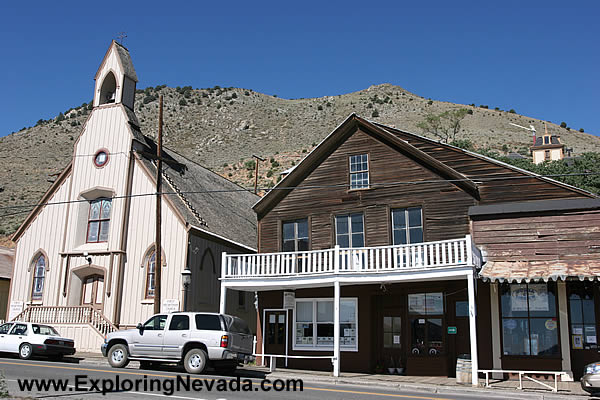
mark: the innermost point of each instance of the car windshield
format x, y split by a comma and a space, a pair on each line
236, 325
43, 330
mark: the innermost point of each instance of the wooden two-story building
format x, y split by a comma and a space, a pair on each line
367, 259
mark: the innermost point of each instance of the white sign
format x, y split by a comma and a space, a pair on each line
170, 305
16, 307
537, 293
289, 300
396, 339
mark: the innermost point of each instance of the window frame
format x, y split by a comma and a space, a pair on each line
315, 346
349, 215
412, 316
362, 171
147, 264
407, 226
40, 298
578, 288
101, 221
529, 318
296, 238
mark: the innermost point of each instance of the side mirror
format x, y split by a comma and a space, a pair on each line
140, 326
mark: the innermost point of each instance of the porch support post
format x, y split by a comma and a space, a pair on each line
336, 328
473, 330
563, 323
223, 298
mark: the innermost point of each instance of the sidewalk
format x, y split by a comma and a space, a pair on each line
428, 384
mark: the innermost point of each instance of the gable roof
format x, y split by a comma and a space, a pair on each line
124, 60
205, 200
461, 167
337, 137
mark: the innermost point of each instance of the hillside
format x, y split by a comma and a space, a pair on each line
222, 127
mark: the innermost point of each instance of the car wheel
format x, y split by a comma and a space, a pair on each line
195, 361
118, 356
25, 351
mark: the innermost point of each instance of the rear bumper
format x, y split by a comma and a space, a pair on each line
52, 349
228, 355
104, 349
591, 383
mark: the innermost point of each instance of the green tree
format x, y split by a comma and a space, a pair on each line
444, 126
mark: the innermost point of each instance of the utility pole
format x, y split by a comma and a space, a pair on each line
157, 245
256, 171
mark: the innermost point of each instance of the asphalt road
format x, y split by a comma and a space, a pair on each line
92, 379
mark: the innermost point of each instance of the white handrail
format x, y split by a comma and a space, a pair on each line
443, 253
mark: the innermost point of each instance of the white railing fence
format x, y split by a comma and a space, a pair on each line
454, 252
67, 315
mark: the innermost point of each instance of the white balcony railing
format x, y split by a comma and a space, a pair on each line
445, 253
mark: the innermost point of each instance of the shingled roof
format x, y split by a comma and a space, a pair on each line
124, 59
205, 199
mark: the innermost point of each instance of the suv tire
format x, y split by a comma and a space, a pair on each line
118, 357
195, 361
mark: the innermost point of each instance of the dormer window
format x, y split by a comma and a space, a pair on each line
546, 139
359, 171
99, 220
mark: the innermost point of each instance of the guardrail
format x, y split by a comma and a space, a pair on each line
523, 374
69, 315
439, 254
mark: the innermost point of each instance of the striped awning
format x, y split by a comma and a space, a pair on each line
522, 271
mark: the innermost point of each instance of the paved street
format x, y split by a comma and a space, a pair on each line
15, 369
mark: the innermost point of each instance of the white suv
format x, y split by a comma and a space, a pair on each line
195, 339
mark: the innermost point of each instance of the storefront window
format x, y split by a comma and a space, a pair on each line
314, 324
582, 314
529, 323
426, 323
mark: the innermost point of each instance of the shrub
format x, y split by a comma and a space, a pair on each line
512, 111
149, 98
60, 117
497, 108
483, 106
430, 102
563, 124
234, 96
230, 174
375, 113
269, 173
320, 107
328, 104
182, 102
274, 164
250, 165
470, 112
369, 105
581, 130
246, 93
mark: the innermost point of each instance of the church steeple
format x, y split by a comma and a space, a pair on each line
116, 78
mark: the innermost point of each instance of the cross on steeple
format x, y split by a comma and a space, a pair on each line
121, 36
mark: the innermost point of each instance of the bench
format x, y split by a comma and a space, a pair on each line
523, 374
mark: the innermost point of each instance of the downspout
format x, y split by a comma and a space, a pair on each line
123, 243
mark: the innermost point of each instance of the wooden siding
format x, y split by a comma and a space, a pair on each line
517, 187
444, 205
543, 237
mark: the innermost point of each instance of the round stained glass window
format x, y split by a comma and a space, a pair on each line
101, 158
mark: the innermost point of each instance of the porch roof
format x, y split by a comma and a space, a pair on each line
527, 271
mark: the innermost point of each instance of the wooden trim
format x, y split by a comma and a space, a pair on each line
51, 191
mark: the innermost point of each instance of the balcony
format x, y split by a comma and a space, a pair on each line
364, 262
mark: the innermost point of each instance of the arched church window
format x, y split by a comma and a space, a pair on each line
109, 89
39, 274
99, 220
150, 275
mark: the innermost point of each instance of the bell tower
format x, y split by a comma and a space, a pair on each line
116, 78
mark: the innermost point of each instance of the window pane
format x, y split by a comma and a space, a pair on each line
434, 336
544, 337
398, 219
41, 262
387, 324
357, 223
462, 308
514, 300
416, 235
343, 241
542, 301
324, 311
208, 322
400, 236
304, 334
589, 314
95, 209
93, 231
179, 323
288, 231
156, 323
387, 339
325, 334
304, 312
396, 325
289, 245
358, 240
515, 336
417, 327
575, 312
104, 227
341, 224
106, 205
302, 228
347, 311
302, 244
414, 216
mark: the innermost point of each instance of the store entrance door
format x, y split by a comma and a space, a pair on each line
583, 323
391, 351
276, 335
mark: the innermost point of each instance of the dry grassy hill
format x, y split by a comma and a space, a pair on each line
222, 127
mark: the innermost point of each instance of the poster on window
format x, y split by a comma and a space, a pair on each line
416, 303
538, 297
434, 303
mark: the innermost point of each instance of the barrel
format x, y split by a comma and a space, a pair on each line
463, 369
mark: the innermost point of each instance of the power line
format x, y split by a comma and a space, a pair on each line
289, 188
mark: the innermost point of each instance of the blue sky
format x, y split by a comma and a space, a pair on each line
539, 57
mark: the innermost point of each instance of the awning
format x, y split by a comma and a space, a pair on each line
521, 271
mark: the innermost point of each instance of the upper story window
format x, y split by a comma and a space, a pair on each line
150, 275
546, 139
101, 158
295, 235
359, 171
350, 230
547, 155
98, 220
39, 273
407, 225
